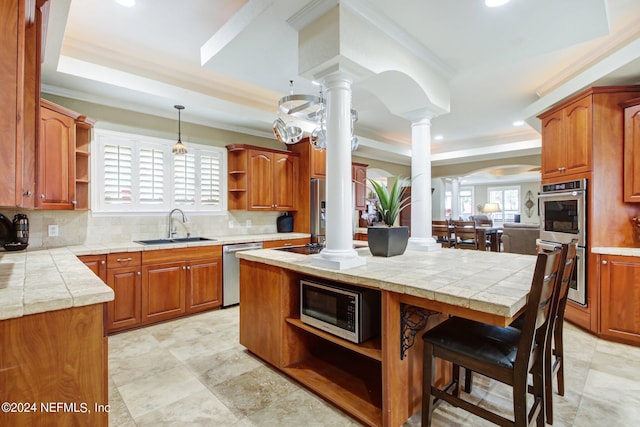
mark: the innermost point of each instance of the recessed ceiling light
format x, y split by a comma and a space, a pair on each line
518, 123
126, 3
495, 3
438, 137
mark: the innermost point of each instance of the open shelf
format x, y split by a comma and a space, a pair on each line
371, 348
347, 382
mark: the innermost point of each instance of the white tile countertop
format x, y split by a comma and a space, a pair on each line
40, 280
491, 282
606, 250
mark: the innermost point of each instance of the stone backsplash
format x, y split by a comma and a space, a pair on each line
82, 228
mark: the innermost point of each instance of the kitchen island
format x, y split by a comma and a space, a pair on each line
378, 381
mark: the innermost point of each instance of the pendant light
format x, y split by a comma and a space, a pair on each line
179, 147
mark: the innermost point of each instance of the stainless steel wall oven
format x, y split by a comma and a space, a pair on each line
563, 217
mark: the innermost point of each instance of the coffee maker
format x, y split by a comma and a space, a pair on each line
21, 228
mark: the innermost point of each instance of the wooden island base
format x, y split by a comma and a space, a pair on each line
369, 381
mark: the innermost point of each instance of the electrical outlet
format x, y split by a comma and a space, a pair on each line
53, 230
248, 223
230, 224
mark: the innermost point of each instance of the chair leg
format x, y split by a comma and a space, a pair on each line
548, 384
559, 356
427, 382
538, 396
468, 380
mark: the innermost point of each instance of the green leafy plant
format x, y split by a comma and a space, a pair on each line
391, 202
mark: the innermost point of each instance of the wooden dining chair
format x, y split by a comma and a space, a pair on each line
442, 233
465, 234
507, 355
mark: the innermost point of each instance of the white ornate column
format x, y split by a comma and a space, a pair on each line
338, 252
455, 199
421, 230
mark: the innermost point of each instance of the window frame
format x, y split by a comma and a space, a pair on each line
499, 217
104, 137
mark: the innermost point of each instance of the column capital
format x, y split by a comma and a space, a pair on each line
424, 121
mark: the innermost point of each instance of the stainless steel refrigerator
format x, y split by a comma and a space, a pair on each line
318, 210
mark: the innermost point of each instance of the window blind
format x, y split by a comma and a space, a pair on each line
118, 164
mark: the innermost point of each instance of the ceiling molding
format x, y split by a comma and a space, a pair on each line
310, 12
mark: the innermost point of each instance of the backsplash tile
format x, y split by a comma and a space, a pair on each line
81, 228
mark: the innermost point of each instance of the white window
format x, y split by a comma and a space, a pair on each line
509, 200
465, 197
140, 174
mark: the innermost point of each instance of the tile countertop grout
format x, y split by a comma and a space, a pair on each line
38, 280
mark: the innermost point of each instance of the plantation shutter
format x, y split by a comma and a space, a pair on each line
184, 179
118, 162
151, 172
210, 172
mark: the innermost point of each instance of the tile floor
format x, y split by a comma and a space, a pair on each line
193, 372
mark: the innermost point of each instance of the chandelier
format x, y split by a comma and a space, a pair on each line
296, 111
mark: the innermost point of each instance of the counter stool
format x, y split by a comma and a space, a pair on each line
508, 354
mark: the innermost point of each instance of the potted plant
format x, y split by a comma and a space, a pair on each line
388, 240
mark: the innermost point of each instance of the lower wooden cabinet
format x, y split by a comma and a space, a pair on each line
163, 292
204, 285
97, 264
270, 244
124, 277
620, 298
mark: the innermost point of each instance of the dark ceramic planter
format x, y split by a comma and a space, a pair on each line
387, 241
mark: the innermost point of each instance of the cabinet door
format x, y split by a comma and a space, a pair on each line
359, 174
124, 311
97, 264
261, 329
163, 291
204, 285
56, 161
578, 137
318, 163
552, 145
631, 157
620, 293
260, 183
285, 176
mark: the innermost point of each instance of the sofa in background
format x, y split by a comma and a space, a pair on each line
520, 238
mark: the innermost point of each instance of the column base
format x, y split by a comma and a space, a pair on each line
425, 244
338, 259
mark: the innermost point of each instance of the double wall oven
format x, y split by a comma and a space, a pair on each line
563, 217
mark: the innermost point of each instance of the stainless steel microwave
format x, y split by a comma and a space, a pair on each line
348, 312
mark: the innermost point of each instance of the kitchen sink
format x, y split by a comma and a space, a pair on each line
176, 240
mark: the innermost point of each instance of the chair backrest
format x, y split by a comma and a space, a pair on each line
564, 283
540, 308
482, 220
441, 229
464, 230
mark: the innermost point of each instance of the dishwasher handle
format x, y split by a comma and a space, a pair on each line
241, 247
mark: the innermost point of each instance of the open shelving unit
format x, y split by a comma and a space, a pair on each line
84, 128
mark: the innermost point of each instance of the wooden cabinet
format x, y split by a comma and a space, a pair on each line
620, 298
631, 150
359, 176
262, 179
204, 285
56, 356
20, 57
63, 158
124, 277
97, 264
180, 281
567, 139
270, 244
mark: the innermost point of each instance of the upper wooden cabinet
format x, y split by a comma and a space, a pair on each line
63, 158
359, 177
20, 57
262, 179
631, 150
567, 139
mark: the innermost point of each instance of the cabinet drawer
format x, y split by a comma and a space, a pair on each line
123, 259
181, 254
285, 242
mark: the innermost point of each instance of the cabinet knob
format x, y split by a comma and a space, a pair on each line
562, 169
42, 196
605, 262
139, 273
74, 202
26, 193
184, 268
103, 262
188, 267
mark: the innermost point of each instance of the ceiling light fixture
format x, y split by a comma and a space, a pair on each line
296, 110
438, 137
126, 3
518, 123
495, 3
178, 147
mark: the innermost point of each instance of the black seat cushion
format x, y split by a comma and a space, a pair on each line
480, 341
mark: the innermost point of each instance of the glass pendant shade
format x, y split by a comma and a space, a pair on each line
179, 147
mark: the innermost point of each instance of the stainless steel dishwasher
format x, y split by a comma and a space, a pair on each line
231, 271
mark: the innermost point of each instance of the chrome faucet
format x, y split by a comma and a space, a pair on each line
172, 231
